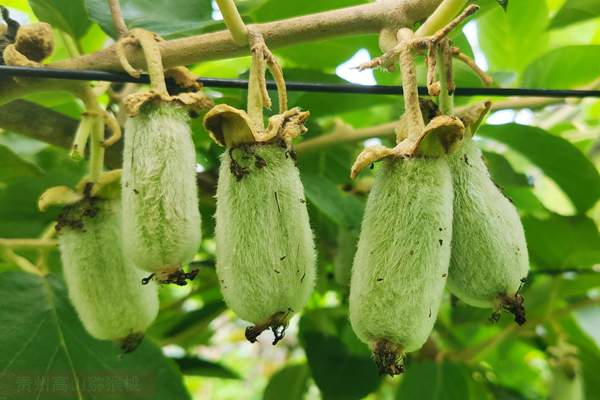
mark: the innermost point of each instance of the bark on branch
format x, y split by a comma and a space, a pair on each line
367, 18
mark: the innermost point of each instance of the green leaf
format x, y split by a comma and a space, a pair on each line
19, 214
167, 18
434, 381
194, 366
340, 207
503, 4
588, 354
276, 9
67, 15
575, 11
511, 39
502, 172
562, 242
341, 365
41, 338
14, 168
290, 383
560, 160
564, 68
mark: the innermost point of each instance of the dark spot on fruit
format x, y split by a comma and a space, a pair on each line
135, 191
466, 159
380, 280
303, 276
259, 162
444, 275
277, 272
371, 166
441, 242
282, 258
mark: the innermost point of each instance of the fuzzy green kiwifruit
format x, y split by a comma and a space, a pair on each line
161, 220
401, 264
265, 250
567, 382
489, 261
103, 285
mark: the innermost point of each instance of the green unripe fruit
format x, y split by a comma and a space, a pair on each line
103, 285
265, 250
489, 253
566, 385
401, 264
161, 220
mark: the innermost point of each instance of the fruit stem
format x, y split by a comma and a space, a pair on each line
446, 97
117, 17
233, 21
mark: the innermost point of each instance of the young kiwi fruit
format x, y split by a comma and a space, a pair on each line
401, 264
265, 250
103, 285
567, 382
161, 220
489, 261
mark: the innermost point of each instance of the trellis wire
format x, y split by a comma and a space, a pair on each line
88, 75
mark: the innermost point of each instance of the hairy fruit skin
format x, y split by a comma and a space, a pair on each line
161, 220
400, 267
489, 253
103, 285
265, 250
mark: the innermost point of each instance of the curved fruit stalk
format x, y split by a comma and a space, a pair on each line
400, 268
342, 261
103, 285
161, 220
489, 260
265, 251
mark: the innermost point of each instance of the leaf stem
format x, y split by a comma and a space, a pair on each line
117, 17
19, 261
234, 22
16, 244
442, 15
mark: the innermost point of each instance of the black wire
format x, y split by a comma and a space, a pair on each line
86, 75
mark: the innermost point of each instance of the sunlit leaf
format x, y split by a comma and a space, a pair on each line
46, 353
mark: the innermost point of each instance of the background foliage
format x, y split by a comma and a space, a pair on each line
545, 158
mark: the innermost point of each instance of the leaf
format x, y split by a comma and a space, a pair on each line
502, 172
511, 39
558, 158
167, 18
588, 354
194, 366
290, 383
42, 340
276, 9
562, 242
67, 15
19, 215
336, 357
433, 381
503, 4
340, 207
563, 68
14, 168
574, 11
